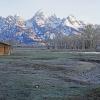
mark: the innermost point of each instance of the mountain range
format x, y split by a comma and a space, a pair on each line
39, 28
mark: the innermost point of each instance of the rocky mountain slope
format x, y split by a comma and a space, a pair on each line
15, 29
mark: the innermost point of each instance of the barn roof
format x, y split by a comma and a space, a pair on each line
5, 44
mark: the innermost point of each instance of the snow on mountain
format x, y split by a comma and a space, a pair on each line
38, 28
71, 21
13, 29
19, 21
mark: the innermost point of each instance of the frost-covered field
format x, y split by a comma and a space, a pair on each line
34, 74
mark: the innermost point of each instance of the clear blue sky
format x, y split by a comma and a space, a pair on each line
86, 10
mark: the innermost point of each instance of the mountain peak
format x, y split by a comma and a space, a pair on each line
38, 27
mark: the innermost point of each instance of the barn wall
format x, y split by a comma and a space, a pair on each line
4, 49
1, 50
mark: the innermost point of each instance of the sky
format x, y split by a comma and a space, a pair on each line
85, 10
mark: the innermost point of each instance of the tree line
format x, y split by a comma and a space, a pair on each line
88, 38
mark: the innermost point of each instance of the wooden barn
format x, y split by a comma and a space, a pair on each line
5, 49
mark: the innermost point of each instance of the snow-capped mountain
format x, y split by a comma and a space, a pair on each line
73, 22
38, 28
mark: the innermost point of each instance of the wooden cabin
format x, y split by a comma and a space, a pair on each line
5, 49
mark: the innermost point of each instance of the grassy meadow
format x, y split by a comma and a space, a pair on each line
40, 74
